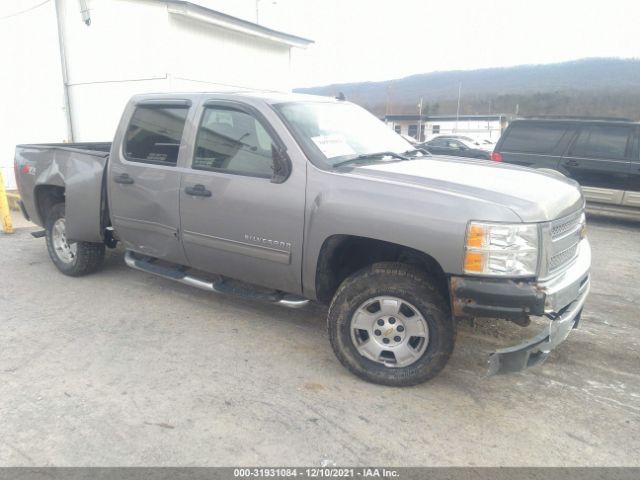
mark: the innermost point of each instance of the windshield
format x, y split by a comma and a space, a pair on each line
331, 133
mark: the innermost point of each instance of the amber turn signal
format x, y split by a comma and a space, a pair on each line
476, 235
473, 262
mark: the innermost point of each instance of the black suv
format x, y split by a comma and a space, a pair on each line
601, 155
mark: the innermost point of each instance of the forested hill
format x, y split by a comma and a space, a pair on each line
596, 87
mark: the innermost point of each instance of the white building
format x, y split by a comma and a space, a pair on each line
475, 126
69, 66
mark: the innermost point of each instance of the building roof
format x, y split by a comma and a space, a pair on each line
443, 118
214, 17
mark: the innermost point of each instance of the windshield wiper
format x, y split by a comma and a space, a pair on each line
371, 156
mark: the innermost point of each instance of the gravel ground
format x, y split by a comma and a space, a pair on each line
122, 368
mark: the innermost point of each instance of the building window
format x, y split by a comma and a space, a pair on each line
435, 129
397, 128
413, 131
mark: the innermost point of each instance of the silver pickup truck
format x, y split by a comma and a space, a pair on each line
290, 199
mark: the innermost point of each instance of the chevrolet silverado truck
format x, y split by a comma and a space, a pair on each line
292, 199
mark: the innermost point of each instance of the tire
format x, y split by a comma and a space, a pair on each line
71, 258
382, 282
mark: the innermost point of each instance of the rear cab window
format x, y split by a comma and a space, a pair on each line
154, 134
538, 138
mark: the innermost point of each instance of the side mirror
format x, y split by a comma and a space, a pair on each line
281, 164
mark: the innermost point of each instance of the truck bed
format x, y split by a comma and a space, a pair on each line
70, 172
85, 146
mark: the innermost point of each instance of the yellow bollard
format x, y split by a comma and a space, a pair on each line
7, 226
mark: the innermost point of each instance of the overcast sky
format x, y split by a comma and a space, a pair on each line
359, 40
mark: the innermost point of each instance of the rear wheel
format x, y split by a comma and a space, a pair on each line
70, 257
388, 324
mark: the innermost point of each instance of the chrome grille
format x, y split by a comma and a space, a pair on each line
563, 225
565, 235
562, 258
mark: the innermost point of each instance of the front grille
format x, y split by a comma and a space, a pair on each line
563, 225
565, 235
560, 259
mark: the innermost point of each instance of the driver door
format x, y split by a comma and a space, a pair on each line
238, 220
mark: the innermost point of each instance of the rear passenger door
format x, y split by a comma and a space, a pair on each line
144, 180
237, 220
599, 159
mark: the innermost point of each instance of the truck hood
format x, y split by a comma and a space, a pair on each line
532, 195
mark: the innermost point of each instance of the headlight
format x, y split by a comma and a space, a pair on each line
501, 249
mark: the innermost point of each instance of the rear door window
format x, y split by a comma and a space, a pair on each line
601, 141
154, 134
533, 138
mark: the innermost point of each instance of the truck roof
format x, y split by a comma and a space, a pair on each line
265, 96
575, 120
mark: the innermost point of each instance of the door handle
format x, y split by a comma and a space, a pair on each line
197, 191
123, 178
571, 163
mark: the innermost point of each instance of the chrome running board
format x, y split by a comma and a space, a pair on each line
179, 273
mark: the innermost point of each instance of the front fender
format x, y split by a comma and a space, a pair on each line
427, 220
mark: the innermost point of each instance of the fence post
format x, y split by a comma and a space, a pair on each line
5, 215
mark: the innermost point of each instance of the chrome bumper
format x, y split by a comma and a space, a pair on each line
565, 297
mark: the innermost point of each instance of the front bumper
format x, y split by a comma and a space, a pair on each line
560, 299
537, 349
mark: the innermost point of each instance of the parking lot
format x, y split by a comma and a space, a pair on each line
124, 368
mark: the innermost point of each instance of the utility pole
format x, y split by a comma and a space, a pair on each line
458, 109
387, 108
419, 133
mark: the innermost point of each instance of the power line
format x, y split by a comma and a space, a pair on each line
24, 11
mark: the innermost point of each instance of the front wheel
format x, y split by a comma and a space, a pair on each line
388, 324
72, 258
